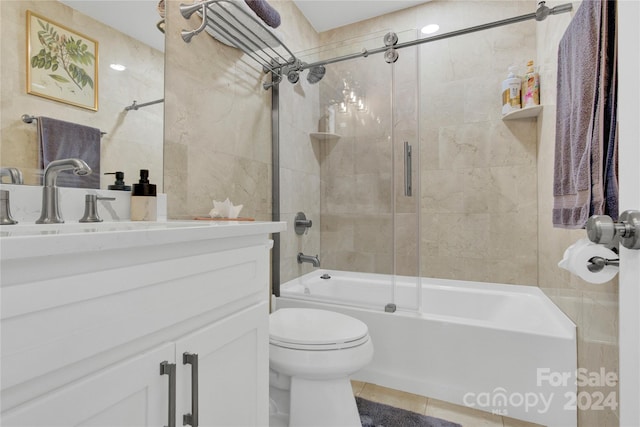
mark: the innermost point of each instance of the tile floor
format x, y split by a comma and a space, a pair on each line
467, 417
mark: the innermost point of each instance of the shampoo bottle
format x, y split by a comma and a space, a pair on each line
144, 205
511, 92
530, 87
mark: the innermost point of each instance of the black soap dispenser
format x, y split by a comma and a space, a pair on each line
119, 184
144, 205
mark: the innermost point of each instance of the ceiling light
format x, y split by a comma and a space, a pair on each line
118, 67
430, 29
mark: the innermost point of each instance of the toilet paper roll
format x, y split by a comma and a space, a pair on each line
576, 260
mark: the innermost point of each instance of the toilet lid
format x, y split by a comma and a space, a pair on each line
312, 329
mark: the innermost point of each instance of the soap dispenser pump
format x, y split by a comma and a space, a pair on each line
144, 205
119, 183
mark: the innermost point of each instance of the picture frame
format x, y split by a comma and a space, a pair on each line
62, 64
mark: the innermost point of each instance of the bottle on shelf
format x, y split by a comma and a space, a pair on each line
511, 87
530, 87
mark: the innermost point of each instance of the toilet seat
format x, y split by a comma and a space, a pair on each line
315, 330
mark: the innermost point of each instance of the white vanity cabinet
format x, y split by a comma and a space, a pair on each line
87, 321
233, 356
131, 393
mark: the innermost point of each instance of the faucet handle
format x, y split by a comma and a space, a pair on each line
91, 207
302, 224
5, 211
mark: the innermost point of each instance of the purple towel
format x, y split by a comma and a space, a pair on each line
610, 129
584, 115
268, 14
63, 140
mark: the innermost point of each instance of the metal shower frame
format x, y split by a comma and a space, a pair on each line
390, 39
390, 49
238, 28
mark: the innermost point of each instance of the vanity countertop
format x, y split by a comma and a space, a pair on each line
33, 240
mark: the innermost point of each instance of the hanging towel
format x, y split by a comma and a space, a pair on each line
237, 25
268, 14
583, 115
63, 140
611, 129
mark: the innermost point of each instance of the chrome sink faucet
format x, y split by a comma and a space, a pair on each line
50, 209
314, 260
14, 174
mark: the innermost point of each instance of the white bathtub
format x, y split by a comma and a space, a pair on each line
504, 349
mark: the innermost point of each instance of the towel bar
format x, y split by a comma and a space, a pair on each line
30, 119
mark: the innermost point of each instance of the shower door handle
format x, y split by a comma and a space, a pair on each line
407, 170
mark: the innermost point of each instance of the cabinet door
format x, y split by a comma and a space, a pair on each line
131, 393
233, 370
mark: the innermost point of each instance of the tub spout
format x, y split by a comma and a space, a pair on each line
314, 260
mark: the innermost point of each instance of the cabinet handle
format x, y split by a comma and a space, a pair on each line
192, 418
167, 368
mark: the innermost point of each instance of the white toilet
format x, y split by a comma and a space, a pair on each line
311, 355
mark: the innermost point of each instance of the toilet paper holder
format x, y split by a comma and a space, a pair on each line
598, 263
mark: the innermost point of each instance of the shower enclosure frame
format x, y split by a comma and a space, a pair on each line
391, 45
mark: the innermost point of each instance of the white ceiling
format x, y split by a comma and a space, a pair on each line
328, 14
141, 16
136, 18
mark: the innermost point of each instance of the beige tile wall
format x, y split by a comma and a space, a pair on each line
133, 140
218, 132
478, 181
217, 127
478, 173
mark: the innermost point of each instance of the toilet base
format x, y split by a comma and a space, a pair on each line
328, 403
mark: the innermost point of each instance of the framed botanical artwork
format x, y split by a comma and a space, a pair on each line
62, 64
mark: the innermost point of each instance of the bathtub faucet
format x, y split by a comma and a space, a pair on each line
308, 258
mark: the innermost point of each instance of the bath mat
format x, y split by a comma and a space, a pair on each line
374, 414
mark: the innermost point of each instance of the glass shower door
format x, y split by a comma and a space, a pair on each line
357, 180
405, 94
366, 143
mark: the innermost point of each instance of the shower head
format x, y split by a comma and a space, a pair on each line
316, 74
293, 77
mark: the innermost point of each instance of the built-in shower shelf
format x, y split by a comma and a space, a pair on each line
523, 113
325, 136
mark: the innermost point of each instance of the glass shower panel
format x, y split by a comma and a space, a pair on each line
367, 110
357, 177
479, 171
